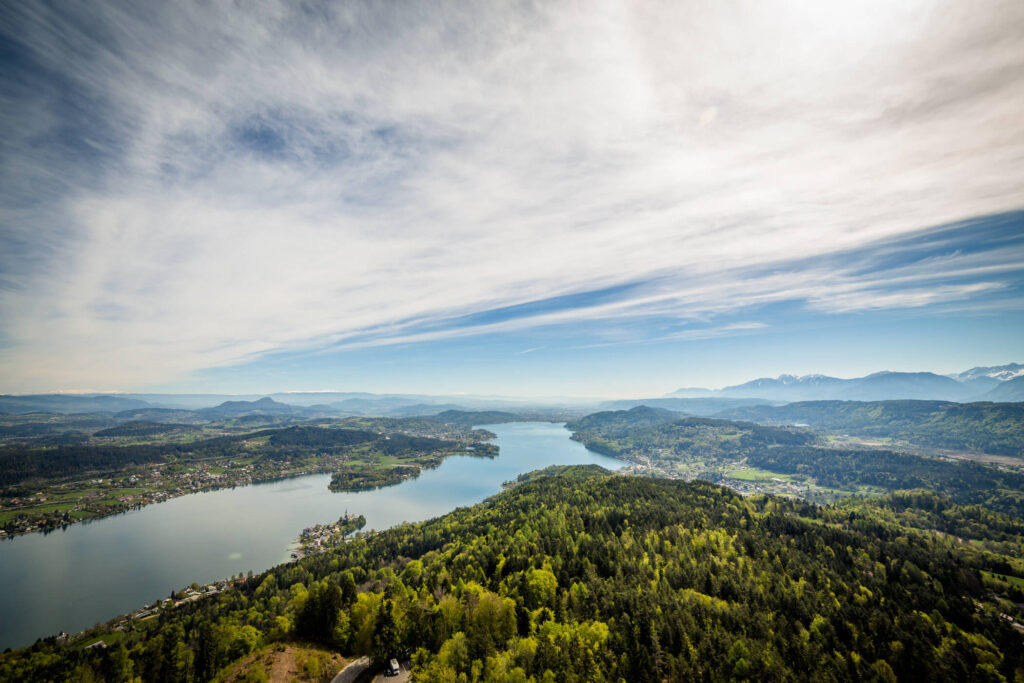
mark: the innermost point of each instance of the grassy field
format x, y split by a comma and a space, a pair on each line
1012, 580
754, 474
108, 638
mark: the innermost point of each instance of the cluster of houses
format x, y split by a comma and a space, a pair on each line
185, 597
1013, 622
718, 471
158, 486
779, 487
319, 538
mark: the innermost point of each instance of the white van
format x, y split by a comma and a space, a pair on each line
392, 668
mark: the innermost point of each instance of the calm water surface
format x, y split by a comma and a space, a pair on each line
88, 573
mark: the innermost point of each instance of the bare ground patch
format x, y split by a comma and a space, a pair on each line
283, 663
982, 457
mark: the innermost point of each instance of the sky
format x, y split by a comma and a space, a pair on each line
524, 199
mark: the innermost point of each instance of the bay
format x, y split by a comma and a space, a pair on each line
70, 579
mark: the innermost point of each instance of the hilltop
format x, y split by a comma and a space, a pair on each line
578, 575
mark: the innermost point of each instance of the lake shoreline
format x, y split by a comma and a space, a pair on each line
90, 573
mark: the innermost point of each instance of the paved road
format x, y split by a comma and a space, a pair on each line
402, 677
351, 672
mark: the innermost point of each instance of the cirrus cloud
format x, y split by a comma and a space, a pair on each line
189, 186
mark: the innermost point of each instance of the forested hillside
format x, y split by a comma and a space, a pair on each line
466, 418
996, 428
19, 463
611, 423
725, 451
660, 434
584, 576
962, 482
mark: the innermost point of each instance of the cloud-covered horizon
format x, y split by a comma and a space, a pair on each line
190, 186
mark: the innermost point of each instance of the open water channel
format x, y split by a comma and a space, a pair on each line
70, 579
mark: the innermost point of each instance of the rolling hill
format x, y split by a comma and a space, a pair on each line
996, 428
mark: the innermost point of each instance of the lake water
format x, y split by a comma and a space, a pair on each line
88, 573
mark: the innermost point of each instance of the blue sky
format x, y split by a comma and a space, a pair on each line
514, 200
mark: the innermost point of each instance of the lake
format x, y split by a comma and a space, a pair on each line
70, 579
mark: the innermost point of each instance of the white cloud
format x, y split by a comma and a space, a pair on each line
868, 299
281, 180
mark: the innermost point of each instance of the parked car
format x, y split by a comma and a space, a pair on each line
392, 669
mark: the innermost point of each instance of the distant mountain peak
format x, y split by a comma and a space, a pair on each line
898, 373
690, 392
263, 402
263, 406
804, 379
878, 386
999, 372
786, 380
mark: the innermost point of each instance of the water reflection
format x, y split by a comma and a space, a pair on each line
87, 573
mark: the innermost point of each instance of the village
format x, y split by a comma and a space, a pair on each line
322, 537
128, 622
61, 503
312, 541
737, 475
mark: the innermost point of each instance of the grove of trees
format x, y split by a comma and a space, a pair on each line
580, 575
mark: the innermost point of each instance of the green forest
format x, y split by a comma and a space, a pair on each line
662, 434
666, 441
963, 482
996, 428
578, 575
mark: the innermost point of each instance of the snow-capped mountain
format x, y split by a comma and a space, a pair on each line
999, 372
995, 383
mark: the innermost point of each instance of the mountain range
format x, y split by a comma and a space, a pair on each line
217, 406
1001, 383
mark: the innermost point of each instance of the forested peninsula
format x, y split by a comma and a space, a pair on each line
44, 486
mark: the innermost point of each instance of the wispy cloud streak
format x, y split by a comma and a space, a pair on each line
188, 185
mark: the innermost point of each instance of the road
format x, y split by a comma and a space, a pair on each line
351, 672
403, 676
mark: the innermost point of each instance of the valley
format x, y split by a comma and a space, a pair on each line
873, 487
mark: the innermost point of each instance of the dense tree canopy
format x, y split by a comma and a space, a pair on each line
645, 431
652, 435
18, 463
988, 427
585, 576
963, 482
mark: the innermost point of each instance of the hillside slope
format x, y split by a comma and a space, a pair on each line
585, 576
1010, 390
996, 428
